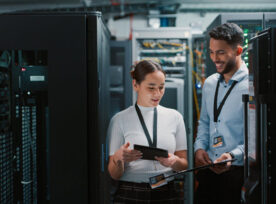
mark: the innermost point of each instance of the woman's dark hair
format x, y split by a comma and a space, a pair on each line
143, 68
229, 32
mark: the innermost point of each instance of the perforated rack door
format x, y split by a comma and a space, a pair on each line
6, 142
28, 154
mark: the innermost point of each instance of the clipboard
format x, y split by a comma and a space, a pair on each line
150, 152
161, 179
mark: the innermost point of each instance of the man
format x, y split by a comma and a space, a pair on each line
220, 130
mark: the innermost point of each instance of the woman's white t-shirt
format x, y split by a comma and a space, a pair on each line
125, 127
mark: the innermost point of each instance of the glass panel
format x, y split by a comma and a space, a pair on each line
117, 56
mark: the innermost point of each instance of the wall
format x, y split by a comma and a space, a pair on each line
195, 20
121, 28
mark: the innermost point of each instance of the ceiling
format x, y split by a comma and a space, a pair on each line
141, 6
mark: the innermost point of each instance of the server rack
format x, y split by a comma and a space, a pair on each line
56, 107
29, 109
6, 142
260, 141
199, 74
167, 46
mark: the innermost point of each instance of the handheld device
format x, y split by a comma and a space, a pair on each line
150, 152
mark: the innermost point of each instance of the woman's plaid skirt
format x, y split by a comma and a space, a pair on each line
142, 193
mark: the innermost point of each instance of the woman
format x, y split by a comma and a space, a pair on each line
126, 129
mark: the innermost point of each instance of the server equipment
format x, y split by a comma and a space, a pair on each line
6, 142
199, 74
167, 46
260, 122
54, 108
174, 94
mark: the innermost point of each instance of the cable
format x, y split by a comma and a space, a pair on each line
195, 98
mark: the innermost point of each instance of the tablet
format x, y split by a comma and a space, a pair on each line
150, 152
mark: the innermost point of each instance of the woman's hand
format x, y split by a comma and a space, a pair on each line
169, 161
124, 154
177, 161
121, 156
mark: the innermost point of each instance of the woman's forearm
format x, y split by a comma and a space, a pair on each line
180, 164
115, 167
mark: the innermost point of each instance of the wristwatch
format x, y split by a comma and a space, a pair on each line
232, 155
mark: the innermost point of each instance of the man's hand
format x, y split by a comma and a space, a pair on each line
218, 169
202, 158
124, 154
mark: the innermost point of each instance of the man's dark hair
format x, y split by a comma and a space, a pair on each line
229, 32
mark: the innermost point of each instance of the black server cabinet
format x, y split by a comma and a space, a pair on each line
260, 140
54, 92
251, 23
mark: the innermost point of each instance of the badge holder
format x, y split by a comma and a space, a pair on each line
218, 140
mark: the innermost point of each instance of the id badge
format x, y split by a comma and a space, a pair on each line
157, 181
218, 142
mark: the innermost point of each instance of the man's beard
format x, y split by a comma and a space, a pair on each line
229, 66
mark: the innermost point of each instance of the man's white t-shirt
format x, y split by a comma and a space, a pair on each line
125, 127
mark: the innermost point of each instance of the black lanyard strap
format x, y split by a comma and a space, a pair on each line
151, 144
218, 110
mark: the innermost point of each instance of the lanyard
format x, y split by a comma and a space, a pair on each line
218, 110
151, 144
